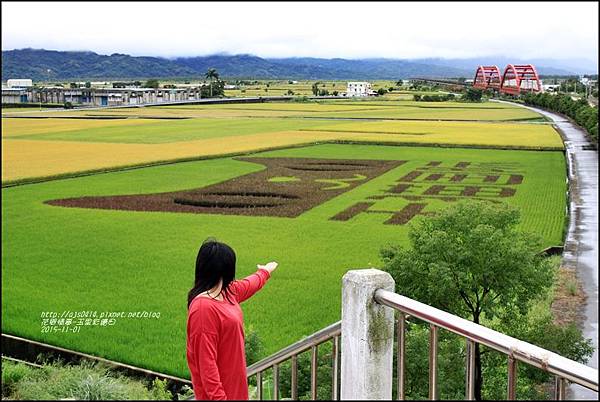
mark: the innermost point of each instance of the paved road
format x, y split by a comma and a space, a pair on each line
581, 244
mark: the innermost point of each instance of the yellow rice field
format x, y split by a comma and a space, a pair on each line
34, 158
27, 151
18, 127
458, 133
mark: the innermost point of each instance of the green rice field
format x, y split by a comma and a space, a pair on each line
57, 259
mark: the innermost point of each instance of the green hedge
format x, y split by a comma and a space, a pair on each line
433, 98
579, 110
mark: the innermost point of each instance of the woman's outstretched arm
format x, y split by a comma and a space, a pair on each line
245, 288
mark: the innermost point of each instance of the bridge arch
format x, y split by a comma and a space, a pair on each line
487, 77
519, 78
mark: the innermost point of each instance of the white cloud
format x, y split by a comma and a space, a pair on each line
560, 30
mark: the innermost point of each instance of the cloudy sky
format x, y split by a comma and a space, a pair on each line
350, 30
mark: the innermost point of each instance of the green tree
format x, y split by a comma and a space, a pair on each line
472, 95
88, 84
151, 84
381, 91
211, 75
471, 261
217, 88
315, 88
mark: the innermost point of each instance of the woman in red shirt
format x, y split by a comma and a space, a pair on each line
215, 325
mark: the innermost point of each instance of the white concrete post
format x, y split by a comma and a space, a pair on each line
367, 336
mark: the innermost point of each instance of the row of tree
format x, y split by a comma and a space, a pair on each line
579, 110
469, 95
433, 98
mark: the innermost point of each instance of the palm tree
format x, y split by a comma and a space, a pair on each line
212, 75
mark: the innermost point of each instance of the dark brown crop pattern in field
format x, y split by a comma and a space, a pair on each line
436, 181
287, 187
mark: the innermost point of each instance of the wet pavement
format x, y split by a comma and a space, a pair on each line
581, 244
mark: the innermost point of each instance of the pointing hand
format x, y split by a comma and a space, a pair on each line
269, 266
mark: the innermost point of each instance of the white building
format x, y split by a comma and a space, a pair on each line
19, 83
359, 89
588, 81
550, 87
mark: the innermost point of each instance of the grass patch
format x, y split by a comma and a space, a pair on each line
85, 381
283, 179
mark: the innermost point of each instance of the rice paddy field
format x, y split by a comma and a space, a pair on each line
51, 143
126, 241
58, 258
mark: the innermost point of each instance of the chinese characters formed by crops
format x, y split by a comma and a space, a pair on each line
290, 186
436, 181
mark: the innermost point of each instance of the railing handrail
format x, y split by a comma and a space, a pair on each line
517, 349
302, 345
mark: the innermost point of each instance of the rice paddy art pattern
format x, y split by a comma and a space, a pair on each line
484, 181
287, 188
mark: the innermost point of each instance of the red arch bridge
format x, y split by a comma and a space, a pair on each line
517, 78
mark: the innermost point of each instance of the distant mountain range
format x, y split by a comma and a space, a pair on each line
51, 65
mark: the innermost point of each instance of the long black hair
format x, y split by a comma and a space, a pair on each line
215, 261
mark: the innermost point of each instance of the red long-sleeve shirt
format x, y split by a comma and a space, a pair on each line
215, 341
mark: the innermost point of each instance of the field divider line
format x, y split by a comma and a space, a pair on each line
524, 120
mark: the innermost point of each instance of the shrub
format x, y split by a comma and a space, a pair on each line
572, 288
12, 374
253, 345
472, 95
434, 98
86, 381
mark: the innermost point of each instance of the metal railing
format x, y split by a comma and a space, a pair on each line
331, 333
517, 351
